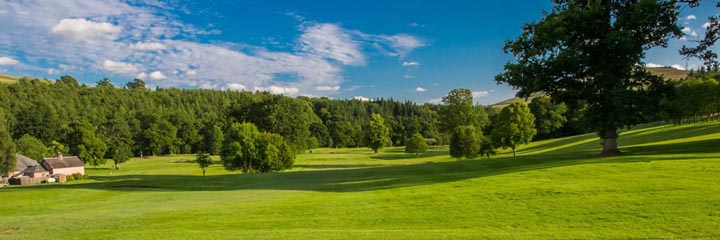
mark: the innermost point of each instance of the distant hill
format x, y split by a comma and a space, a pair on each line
668, 73
8, 79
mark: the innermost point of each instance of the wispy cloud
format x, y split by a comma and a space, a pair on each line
689, 31
706, 25
327, 88
150, 46
8, 61
146, 40
690, 17
653, 65
361, 98
420, 89
410, 63
479, 94
332, 42
677, 66
119, 67
408, 77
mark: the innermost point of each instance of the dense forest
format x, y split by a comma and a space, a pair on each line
116, 122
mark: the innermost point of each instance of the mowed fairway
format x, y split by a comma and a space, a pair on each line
667, 185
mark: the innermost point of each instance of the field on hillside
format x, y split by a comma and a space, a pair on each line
8, 79
666, 185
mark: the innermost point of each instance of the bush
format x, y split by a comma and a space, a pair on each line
70, 178
78, 176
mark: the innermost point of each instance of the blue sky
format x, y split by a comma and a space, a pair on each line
407, 50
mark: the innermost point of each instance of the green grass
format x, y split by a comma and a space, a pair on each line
665, 186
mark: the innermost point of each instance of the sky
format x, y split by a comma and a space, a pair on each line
400, 49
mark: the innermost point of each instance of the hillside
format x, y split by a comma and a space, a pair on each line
664, 186
667, 72
8, 79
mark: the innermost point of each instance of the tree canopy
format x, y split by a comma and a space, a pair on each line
515, 126
593, 51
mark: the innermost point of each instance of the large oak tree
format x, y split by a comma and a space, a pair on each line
592, 51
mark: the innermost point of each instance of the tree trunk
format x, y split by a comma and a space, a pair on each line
609, 144
117, 166
513, 148
203, 172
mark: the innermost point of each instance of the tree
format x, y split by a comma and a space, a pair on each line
458, 110
515, 125
86, 144
548, 116
704, 48
378, 133
136, 84
465, 142
7, 149
31, 147
416, 144
487, 147
593, 51
204, 161
213, 140
118, 137
239, 148
246, 148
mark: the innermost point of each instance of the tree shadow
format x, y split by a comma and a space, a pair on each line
385, 177
331, 166
405, 156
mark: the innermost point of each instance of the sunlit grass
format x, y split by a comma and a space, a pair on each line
666, 185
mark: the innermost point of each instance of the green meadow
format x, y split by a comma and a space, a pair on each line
666, 185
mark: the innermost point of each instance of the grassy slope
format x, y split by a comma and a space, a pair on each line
665, 186
8, 79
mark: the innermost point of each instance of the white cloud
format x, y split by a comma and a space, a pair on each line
677, 66
706, 25
652, 65
328, 88
331, 41
408, 77
420, 89
119, 67
689, 31
124, 39
236, 86
280, 90
150, 46
361, 98
410, 63
402, 44
51, 71
691, 17
479, 94
157, 75
80, 28
8, 61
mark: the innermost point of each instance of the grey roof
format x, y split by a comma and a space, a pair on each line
35, 169
24, 162
66, 162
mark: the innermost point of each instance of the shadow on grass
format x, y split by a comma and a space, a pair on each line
386, 177
330, 166
404, 156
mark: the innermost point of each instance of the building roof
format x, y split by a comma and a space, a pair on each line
35, 169
24, 162
66, 162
